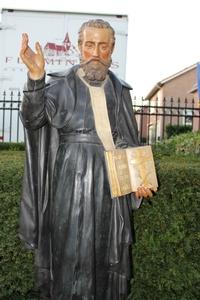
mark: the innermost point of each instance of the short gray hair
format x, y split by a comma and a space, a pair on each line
95, 23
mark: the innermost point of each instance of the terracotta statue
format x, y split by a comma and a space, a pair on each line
81, 236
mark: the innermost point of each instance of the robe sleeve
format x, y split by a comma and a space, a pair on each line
33, 113
41, 139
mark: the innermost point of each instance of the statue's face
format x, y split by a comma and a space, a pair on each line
97, 44
96, 50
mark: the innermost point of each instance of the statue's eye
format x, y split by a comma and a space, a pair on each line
89, 45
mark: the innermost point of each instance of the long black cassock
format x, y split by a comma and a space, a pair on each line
81, 236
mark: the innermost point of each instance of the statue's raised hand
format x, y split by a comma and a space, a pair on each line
33, 60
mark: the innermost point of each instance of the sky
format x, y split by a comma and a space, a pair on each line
163, 35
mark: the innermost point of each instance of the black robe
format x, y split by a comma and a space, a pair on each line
81, 236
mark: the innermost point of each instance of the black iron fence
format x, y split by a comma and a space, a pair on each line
152, 117
11, 129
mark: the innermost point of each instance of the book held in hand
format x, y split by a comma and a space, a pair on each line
129, 169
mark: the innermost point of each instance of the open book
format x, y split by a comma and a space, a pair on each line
130, 168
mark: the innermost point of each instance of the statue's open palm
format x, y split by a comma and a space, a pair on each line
33, 60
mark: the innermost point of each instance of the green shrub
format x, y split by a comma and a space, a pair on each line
12, 146
16, 263
167, 250
164, 148
172, 130
186, 144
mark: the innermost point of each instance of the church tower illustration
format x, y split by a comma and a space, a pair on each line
66, 48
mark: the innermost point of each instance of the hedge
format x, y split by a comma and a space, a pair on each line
12, 146
16, 264
172, 130
167, 250
182, 144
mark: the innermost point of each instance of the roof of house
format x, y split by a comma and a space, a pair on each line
159, 84
55, 47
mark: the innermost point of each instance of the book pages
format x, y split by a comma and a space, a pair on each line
142, 168
118, 172
129, 169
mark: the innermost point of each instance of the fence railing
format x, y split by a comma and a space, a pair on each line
152, 117
11, 129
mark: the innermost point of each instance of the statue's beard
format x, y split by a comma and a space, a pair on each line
95, 69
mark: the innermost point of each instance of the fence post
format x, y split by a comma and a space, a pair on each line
171, 110
163, 118
193, 112
3, 108
18, 106
186, 104
11, 109
156, 122
178, 111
